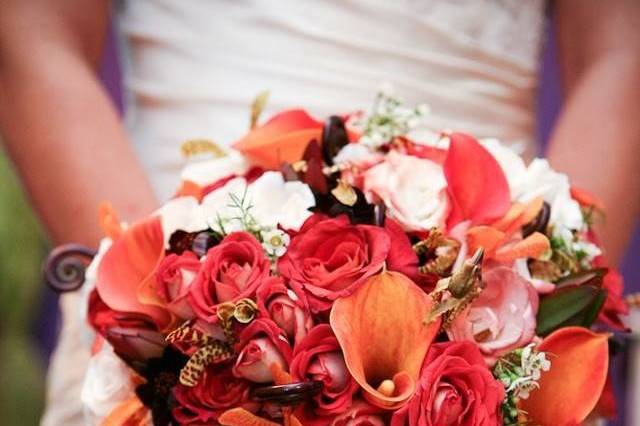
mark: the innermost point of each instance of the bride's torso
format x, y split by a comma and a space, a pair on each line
192, 67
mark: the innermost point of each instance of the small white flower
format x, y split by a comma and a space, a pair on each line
275, 242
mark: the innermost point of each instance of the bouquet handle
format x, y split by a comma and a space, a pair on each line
65, 266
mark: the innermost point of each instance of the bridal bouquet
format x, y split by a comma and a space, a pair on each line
354, 272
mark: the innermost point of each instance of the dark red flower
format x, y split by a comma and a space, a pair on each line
134, 336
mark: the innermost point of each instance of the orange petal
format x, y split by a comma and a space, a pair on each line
571, 388
282, 139
486, 237
280, 377
531, 247
129, 413
382, 333
241, 417
109, 221
126, 273
189, 188
519, 215
586, 199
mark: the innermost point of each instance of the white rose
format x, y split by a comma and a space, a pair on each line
181, 213
107, 383
413, 189
541, 180
209, 171
270, 200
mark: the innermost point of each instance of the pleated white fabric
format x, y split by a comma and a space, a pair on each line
193, 66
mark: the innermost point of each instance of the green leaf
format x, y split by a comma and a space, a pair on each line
560, 307
591, 313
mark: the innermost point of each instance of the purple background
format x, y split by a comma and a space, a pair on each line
549, 103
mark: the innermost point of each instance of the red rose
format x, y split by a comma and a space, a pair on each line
134, 336
285, 308
173, 278
261, 345
330, 258
232, 270
319, 357
455, 388
217, 391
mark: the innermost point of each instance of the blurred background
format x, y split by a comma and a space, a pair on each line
28, 310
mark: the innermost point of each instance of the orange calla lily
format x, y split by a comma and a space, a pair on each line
282, 139
571, 388
126, 274
382, 332
128, 413
495, 238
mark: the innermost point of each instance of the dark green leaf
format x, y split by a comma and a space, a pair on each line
558, 308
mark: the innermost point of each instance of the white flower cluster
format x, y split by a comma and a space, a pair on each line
532, 364
258, 207
387, 120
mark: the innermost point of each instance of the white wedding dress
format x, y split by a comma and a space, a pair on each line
192, 67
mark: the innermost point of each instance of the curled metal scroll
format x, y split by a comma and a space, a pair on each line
288, 395
65, 267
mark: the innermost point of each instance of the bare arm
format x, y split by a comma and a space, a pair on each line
58, 125
597, 139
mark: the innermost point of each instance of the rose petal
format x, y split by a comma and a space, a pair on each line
476, 183
126, 279
282, 139
571, 388
382, 333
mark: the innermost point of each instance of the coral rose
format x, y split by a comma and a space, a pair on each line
455, 388
330, 258
174, 275
232, 270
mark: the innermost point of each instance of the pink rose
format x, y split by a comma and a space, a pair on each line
173, 278
319, 357
261, 345
413, 189
455, 388
216, 392
285, 308
232, 270
502, 318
